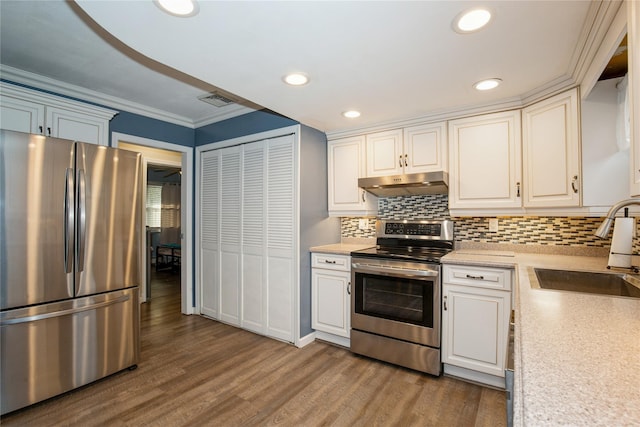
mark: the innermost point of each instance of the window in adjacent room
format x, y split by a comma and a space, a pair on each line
154, 205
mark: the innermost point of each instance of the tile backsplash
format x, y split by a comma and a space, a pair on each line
526, 230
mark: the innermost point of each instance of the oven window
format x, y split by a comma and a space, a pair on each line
401, 299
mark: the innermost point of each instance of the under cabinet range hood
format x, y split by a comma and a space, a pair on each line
415, 184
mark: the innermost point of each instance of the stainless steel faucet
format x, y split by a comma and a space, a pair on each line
603, 230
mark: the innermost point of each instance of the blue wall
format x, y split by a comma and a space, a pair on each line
145, 127
247, 124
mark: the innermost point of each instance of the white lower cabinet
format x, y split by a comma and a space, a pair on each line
331, 297
475, 322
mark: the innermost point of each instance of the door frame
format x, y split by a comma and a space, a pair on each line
186, 212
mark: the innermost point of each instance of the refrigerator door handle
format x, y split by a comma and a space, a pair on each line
66, 312
82, 218
68, 220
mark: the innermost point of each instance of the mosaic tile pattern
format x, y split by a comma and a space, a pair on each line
527, 230
414, 207
349, 227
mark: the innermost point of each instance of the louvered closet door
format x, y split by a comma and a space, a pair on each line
210, 233
230, 232
281, 224
253, 237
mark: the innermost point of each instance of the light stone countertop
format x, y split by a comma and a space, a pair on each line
577, 356
341, 248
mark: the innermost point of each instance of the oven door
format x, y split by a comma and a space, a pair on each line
397, 299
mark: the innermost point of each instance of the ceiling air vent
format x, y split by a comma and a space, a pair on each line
215, 99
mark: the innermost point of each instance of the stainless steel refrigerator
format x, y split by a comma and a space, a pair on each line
70, 224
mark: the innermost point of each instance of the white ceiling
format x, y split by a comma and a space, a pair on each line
391, 60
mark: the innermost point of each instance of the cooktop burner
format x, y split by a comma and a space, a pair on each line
414, 254
425, 241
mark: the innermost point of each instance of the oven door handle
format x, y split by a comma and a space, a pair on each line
403, 272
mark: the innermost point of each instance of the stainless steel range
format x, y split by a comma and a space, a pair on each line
395, 306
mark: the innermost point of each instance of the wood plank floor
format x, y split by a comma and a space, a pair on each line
198, 372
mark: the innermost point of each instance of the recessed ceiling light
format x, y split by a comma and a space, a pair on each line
471, 20
182, 8
296, 79
351, 114
487, 84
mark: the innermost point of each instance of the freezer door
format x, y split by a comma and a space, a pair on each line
52, 348
108, 219
36, 182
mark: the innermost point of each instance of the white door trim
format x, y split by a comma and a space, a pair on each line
186, 275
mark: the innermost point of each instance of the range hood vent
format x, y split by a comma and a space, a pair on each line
415, 184
216, 99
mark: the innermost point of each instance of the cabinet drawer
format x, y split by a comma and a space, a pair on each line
480, 277
331, 262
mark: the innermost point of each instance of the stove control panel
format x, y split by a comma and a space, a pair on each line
412, 229
417, 229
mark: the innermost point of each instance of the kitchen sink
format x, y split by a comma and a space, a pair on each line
624, 285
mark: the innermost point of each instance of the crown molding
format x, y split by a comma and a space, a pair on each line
436, 116
38, 81
600, 16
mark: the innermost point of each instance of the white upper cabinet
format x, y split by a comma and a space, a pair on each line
29, 111
425, 148
551, 152
346, 163
633, 39
485, 169
410, 150
384, 153
21, 115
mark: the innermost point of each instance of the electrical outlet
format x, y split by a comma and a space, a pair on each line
493, 224
362, 224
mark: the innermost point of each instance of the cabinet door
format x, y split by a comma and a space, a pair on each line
346, 160
253, 237
331, 301
384, 153
633, 35
21, 115
280, 233
76, 126
210, 233
485, 170
551, 152
425, 148
230, 234
474, 328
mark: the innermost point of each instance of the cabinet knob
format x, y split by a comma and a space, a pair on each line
49, 131
574, 181
445, 302
406, 164
41, 129
349, 288
517, 189
400, 160
363, 196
